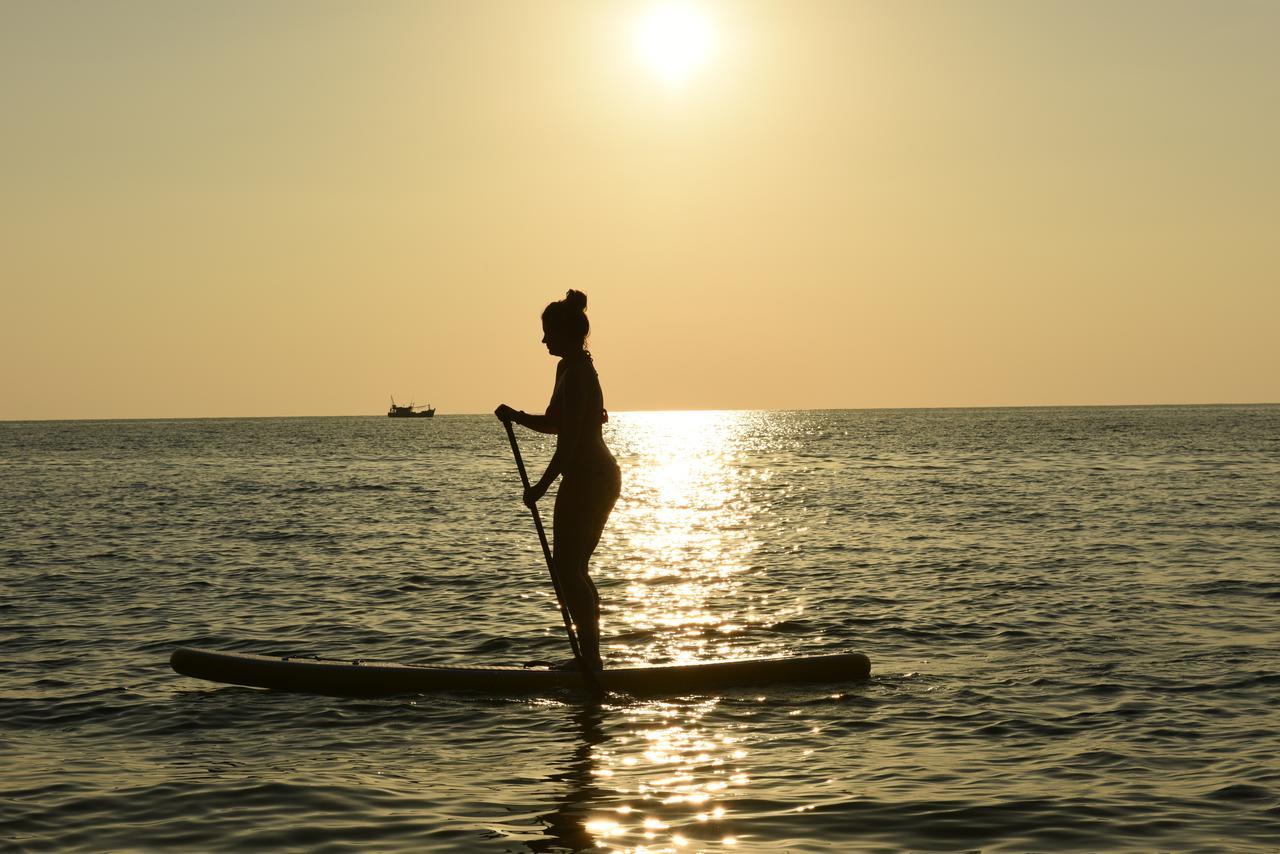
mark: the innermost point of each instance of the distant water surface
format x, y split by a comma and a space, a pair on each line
1073, 617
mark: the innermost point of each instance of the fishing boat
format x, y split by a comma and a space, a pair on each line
410, 411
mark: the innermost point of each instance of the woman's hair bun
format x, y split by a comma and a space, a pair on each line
568, 316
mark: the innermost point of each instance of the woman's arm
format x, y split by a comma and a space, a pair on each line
540, 423
548, 422
567, 422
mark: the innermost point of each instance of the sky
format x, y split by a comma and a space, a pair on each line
302, 208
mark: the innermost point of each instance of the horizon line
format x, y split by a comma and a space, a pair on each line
679, 410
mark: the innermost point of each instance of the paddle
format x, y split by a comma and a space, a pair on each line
588, 674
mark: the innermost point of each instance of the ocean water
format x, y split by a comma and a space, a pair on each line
1073, 617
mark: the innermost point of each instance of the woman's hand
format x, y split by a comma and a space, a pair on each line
506, 413
533, 493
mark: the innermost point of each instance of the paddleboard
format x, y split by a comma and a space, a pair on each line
360, 678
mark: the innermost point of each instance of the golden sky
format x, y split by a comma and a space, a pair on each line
299, 208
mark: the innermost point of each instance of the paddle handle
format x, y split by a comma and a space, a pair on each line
587, 674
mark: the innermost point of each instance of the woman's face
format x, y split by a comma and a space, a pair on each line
556, 344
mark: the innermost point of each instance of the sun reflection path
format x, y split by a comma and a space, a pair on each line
681, 540
690, 774
673, 771
681, 582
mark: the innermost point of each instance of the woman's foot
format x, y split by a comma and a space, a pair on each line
572, 664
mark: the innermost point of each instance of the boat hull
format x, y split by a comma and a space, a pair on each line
360, 678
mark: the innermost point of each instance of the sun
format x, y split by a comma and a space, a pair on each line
674, 40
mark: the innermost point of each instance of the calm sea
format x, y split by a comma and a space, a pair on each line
1073, 617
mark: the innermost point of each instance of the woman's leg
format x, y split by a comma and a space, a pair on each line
573, 546
581, 511
583, 602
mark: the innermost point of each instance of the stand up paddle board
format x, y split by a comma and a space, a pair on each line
359, 678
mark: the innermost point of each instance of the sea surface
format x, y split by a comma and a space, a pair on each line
1073, 617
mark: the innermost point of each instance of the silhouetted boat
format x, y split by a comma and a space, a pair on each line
410, 411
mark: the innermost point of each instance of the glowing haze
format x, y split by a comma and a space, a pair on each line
674, 40
303, 207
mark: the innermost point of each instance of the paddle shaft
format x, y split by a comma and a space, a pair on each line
587, 673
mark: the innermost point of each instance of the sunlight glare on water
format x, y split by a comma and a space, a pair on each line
674, 769
683, 528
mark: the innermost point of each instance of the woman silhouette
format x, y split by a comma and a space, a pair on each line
592, 479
